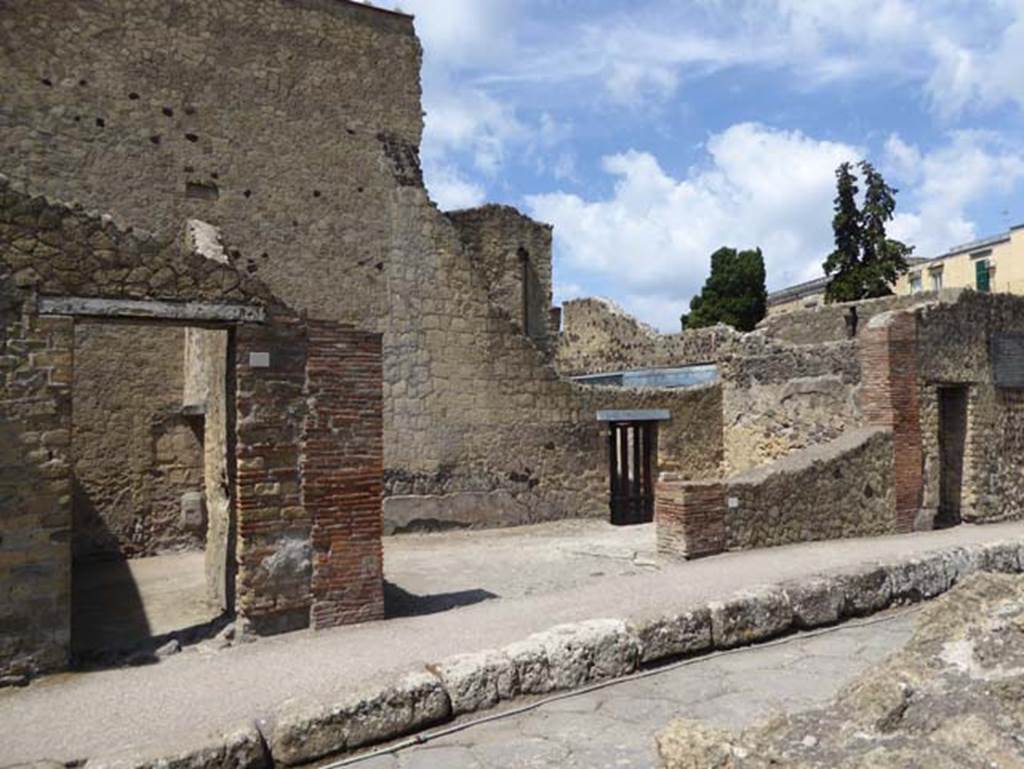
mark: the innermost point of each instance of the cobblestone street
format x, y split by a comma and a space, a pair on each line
614, 727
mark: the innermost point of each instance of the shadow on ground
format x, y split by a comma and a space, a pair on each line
399, 602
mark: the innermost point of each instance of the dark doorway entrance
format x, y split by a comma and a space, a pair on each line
632, 448
952, 438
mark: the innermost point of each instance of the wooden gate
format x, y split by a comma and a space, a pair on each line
632, 447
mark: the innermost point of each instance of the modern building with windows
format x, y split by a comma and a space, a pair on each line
994, 264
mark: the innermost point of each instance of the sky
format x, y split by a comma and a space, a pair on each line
652, 132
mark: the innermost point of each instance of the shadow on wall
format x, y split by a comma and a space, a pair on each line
107, 613
399, 602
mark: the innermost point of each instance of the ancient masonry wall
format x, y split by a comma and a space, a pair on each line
598, 336
206, 390
828, 322
778, 399
954, 348
308, 441
841, 489
136, 453
513, 253
322, 199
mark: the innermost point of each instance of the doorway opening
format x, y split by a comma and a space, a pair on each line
152, 461
632, 452
952, 441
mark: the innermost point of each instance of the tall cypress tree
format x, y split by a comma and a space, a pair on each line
883, 259
843, 264
865, 262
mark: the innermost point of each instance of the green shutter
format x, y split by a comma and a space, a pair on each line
981, 275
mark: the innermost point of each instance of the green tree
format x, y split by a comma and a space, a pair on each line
734, 292
865, 262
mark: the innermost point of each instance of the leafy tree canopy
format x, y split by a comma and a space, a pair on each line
865, 262
734, 292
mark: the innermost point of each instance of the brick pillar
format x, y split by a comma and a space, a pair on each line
689, 518
273, 545
888, 352
342, 473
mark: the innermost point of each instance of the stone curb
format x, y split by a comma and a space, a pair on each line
569, 656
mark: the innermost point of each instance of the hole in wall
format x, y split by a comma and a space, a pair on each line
133, 96
100, 122
201, 190
248, 193
192, 137
77, 118
316, 193
47, 82
83, 82
359, 189
214, 175
168, 111
155, 139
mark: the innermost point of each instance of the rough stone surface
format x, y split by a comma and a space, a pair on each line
477, 681
865, 590
242, 748
950, 698
815, 602
750, 616
303, 733
839, 489
569, 656
675, 635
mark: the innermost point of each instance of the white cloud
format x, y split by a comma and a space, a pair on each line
655, 234
451, 190
984, 75
945, 183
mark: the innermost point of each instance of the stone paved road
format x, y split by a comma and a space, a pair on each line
614, 727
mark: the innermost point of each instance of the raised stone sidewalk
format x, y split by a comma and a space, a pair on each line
292, 700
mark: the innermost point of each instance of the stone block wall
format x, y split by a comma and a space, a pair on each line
827, 323
306, 443
136, 452
598, 337
954, 347
840, 489
513, 253
36, 356
835, 490
778, 399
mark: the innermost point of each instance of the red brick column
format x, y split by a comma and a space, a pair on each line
342, 473
689, 518
273, 543
888, 352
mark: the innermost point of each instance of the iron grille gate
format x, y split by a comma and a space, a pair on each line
631, 451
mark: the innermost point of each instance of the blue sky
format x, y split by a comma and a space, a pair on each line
651, 133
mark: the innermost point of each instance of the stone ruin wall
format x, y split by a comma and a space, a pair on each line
599, 337
513, 254
953, 345
777, 396
323, 200
307, 438
827, 322
135, 453
842, 488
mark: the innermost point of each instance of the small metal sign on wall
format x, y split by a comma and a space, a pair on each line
1008, 360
